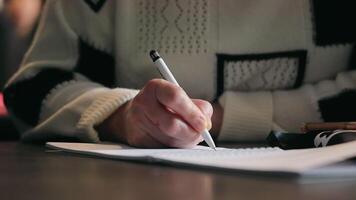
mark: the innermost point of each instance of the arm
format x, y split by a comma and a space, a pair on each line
65, 104
49, 96
252, 115
161, 115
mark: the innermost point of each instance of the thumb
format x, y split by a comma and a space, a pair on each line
206, 108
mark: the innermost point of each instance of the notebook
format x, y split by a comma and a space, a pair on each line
316, 162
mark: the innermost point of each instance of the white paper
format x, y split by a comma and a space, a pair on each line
251, 159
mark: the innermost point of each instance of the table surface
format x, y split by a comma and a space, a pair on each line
34, 172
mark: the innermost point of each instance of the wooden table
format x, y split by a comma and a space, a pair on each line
34, 172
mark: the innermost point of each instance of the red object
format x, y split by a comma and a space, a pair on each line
3, 110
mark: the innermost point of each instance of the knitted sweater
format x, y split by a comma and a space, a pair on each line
271, 64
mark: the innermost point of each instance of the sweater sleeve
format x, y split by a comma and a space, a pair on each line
51, 96
250, 116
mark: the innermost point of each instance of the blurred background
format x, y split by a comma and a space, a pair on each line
18, 21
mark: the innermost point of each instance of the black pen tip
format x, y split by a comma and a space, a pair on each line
154, 55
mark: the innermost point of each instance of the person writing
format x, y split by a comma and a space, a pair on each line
246, 68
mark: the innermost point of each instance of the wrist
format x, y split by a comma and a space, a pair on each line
113, 128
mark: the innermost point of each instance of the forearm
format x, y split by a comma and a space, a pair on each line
252, 115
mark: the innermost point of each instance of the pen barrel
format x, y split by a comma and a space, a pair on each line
324, 126
164, 71
167, 75
208, 139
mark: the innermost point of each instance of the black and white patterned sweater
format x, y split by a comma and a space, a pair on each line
272, 64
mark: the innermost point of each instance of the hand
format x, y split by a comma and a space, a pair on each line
161, 115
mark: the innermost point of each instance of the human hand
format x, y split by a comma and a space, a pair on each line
161, 115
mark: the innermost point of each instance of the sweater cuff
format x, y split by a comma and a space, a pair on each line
247, 116
102, 108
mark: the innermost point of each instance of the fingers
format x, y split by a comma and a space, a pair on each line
177, 138
162, 114
169, 126
206, 108
138, 135
174, 98
145, 140
147, 135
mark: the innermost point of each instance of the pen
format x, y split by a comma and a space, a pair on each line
325, 126
167, 74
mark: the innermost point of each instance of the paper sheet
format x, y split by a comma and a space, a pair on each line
251, 159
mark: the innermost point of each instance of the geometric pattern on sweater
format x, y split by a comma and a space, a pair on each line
334, 22
172, 26
268, 71
96, 5
95, 64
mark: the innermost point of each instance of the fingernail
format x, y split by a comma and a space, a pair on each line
208, 124
200, 123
